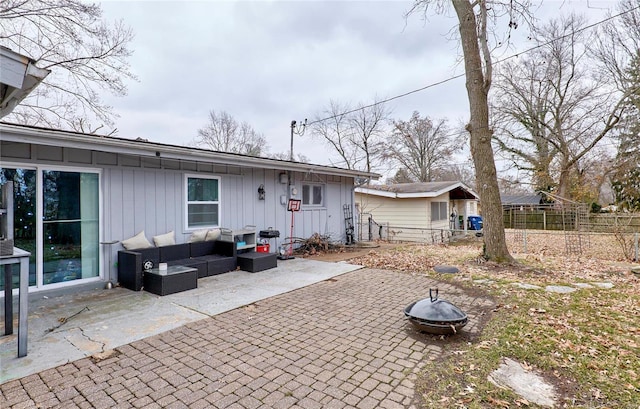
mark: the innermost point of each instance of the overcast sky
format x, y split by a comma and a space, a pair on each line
270, 62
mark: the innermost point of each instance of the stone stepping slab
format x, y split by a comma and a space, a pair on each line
446, 269
564, 289
526, 383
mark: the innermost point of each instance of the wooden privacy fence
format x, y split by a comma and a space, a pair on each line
552, 219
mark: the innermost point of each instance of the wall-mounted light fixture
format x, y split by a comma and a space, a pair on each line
261, 192
283, 178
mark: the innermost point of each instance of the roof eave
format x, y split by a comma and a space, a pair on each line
417, 195
48, 137
22, 77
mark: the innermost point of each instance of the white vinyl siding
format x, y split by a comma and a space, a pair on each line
405, 216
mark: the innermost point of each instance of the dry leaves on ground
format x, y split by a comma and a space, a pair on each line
544, 262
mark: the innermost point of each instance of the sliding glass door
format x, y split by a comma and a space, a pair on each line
56, 218
24, 216
70, 226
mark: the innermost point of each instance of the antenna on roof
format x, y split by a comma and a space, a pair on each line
297, 130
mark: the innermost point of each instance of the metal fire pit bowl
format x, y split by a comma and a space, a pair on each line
435, 316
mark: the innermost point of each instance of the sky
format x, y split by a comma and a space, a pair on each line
271, 62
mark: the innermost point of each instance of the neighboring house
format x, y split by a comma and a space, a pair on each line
521, 201
410, 209
78, 195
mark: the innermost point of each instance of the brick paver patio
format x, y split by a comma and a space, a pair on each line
341, 343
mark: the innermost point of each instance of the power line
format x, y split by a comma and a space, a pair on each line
389, 99
449, 79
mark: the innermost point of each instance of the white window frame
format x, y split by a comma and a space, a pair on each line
39, 169
441, 217
311, 186
187, 203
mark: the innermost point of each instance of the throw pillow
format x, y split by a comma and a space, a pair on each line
197, 236
166, 239
213, 234
139, 241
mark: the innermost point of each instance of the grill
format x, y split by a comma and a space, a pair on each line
269, 234
435, 316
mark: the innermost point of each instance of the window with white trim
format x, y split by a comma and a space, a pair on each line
203, 201
439, 211
313, 195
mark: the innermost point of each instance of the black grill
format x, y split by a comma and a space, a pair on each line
269, 234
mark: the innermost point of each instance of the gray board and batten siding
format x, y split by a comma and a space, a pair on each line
145, 190
153, 200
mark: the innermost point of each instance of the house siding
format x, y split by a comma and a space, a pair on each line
405, 219
147, 193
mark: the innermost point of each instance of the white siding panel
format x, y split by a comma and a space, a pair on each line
409, 219
397, 212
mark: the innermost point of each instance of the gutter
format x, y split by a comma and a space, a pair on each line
50, 137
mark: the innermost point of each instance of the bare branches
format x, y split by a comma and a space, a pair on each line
473, 26
355, 136
224, 134
422, 148
484, 44
85, 55
553, 96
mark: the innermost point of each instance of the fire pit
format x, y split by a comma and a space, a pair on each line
435, 316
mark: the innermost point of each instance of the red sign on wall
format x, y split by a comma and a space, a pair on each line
294, 205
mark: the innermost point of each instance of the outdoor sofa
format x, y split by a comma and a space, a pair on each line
208, 257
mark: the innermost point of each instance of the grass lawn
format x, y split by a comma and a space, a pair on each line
586, 343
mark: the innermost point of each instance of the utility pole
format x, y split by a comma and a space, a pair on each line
299, 130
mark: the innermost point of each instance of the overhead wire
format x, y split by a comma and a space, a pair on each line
454, 77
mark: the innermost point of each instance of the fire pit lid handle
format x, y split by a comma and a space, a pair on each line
431, 294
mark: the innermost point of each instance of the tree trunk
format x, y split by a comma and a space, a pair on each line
480, 134
564, 182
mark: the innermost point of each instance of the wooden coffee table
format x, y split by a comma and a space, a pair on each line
170, 281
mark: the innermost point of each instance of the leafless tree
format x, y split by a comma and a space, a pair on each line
553, 109
298, 157
422, 147
224, 133
618, 50
85, 54
354, 134
511, 185
522, 94
401, 176
475, 21
462, 172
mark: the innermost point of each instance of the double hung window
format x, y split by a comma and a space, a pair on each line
203, 202
439, 211
313, 195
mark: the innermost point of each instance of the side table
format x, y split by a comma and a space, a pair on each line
170, 281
